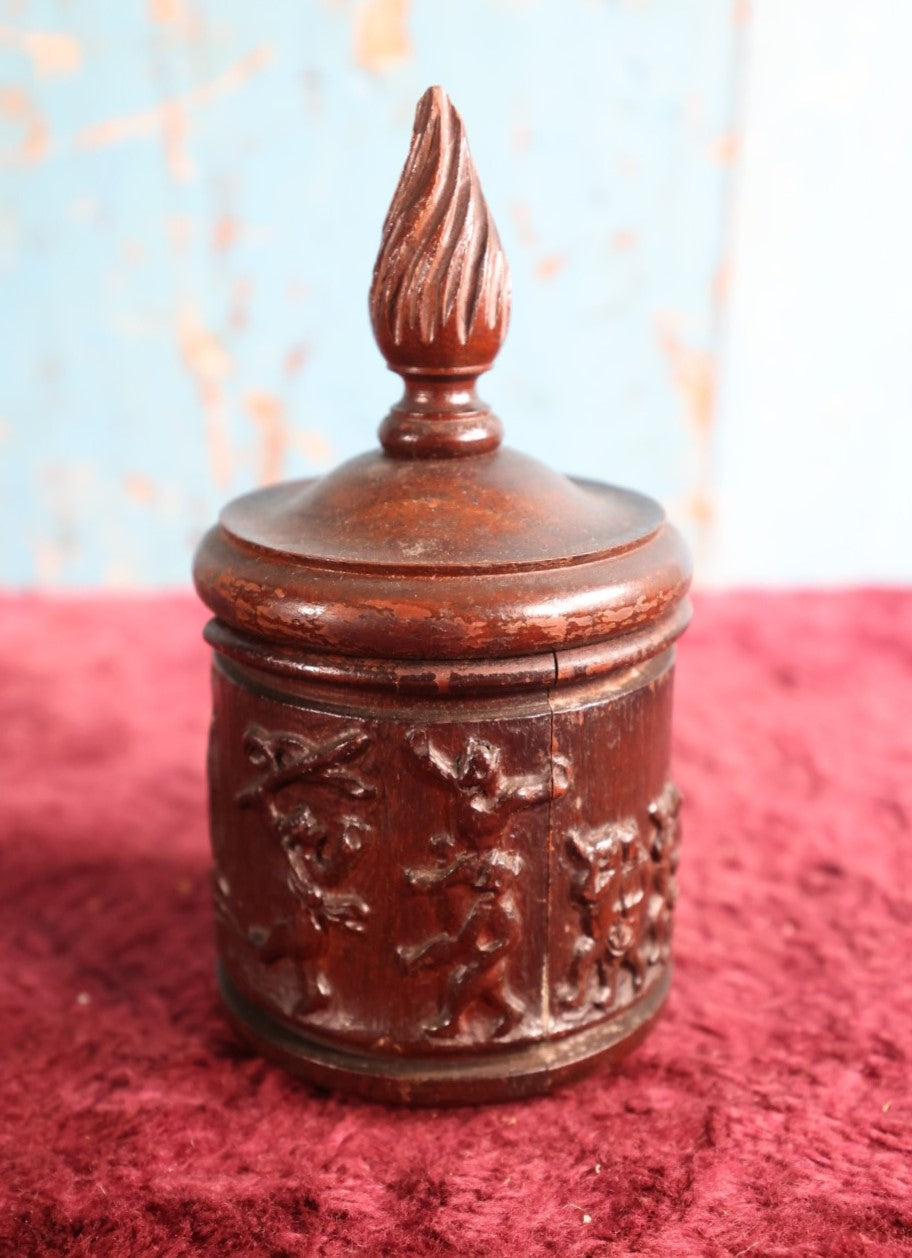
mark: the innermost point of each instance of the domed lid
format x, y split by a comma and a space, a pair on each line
444, 545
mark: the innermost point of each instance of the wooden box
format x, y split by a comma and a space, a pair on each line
443, 829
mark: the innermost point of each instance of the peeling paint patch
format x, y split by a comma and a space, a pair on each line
701, 510
49, 560
174, 130
209, 363
624, 241
381, 35
268, 414
225, 233
119, 575
170, 118
724, 150
693, 377
201, 350
721, 283
140, 489
296, 358
522, 221
175, 14
316, 448
70, 490
50, 52
693, 374
19, 108
522, 138
550, 266
239, 308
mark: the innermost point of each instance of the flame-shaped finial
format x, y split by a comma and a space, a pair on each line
440, 298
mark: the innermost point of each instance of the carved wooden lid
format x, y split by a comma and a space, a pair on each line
444, 544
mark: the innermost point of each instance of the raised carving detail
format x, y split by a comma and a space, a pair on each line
475, 957
319, 854
665, 854
624, 888
484, 796
608, 888
440, 261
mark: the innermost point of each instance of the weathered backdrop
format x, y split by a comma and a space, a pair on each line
191, 196
192, 201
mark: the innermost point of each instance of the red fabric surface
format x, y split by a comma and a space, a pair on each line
768, 1114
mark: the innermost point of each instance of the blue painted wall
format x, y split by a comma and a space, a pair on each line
190, 206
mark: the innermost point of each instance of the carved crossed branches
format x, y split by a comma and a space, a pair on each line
319, 855
288, 759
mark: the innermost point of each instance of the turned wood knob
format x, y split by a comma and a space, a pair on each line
440, 297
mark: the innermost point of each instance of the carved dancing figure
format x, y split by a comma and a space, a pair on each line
485, 797
665, 853
608, 888
476, 955
318, 857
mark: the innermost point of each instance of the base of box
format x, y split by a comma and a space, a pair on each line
503, 1075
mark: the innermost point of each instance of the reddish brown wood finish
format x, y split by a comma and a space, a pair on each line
444, 836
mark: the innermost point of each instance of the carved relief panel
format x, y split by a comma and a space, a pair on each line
475, 952
608, 889
291, 805
614, 855
665, 855
394, 872
419, 883
321, 849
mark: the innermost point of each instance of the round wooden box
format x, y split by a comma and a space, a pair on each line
443, 830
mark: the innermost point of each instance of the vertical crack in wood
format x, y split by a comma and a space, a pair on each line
546, 962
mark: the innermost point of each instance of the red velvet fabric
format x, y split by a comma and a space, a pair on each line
768, 1114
